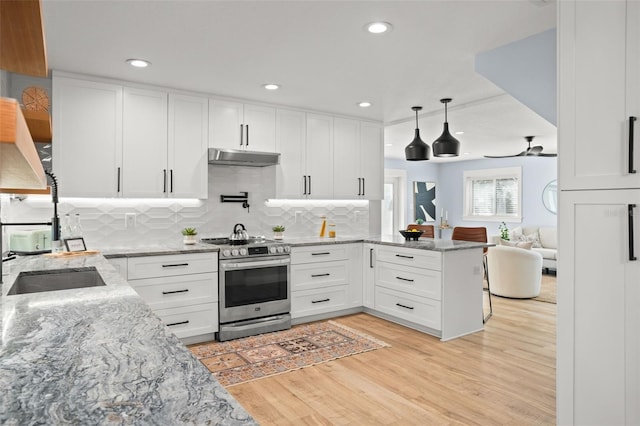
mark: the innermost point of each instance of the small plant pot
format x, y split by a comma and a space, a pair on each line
278, 235
189, 239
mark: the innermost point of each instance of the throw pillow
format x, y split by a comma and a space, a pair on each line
519, 244
515, 234
534, 239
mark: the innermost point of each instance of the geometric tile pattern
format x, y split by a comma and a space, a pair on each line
159, 221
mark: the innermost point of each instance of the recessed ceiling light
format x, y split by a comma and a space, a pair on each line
388, 144
459, 133
271, 86
378, 27
138, 63
465, 153
364, 104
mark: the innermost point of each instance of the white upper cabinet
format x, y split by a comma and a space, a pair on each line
187, 148
594, 122
347, 181
233, 125
87, 138
291, 135
318, 179
358, 160
144, 137
112, 141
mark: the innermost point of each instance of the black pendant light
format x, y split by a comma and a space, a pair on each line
446, 145
417, 150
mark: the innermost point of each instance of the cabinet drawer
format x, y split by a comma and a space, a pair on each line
318, 275
171, 265
418, 281
419, 310
323, 253
190, 321
318, 301
410, 257
171, 292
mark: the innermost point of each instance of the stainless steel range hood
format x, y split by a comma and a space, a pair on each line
232, 157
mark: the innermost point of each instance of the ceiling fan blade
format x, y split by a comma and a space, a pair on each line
547, 155
522, 154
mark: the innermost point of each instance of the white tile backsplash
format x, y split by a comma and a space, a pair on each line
159, 221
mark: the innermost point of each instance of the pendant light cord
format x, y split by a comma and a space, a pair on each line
416, 119
445, 112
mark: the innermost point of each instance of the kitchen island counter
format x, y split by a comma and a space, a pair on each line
98, 356
432, 244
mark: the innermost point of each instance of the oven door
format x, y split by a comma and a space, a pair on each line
254, 288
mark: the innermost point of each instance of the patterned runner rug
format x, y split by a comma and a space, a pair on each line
250, 358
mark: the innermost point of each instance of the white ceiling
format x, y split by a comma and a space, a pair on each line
322, 57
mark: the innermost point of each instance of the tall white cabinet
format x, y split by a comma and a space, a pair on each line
87, 137
598, 375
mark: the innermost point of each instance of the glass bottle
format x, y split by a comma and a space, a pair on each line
66, 231
323, 228
76, 228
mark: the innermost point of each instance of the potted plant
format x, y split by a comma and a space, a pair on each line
278, 230
504, 231
189, 235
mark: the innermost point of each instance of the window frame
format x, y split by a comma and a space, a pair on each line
499, 173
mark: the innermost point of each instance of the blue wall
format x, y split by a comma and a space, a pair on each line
536, 174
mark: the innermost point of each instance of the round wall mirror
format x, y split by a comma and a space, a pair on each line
550, 196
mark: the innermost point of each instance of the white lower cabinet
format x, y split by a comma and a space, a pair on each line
419, 310
325, 279
181, 289
439, 293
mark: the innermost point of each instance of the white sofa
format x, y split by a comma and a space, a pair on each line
514, 272
545, 242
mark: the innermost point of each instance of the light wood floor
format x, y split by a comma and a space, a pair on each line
504, 375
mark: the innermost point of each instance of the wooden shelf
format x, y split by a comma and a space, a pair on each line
22, 48
39, 123
25, 191
20, 165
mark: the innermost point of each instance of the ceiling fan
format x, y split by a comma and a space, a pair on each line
531, 151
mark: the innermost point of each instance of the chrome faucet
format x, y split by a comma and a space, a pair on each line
55, 220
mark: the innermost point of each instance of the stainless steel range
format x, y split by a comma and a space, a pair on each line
254, 276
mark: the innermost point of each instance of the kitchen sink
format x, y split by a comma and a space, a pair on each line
56, 279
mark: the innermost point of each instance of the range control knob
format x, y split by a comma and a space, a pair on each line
243, 251
234, 252
226, 253
280, 249
286, 249
272, 250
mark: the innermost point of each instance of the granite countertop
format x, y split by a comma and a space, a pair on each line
98, 356
433, 244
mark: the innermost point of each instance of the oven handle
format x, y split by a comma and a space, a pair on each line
254, 263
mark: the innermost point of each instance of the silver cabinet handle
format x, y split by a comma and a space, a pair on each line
164, 188
118, 179
363, 191
171, 180
321, 254
320, 301
405, 279
319, 275
247, 141
241, 134
173, 265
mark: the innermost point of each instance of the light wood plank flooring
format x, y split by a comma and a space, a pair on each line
504, 375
